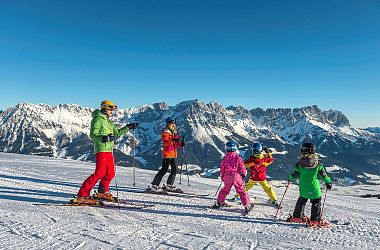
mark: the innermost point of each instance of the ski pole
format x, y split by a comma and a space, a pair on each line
134, 159
218, 189
117, 189
188, 178
186, 166
323, 205
180, 173
183, 157
216, 193
279, 206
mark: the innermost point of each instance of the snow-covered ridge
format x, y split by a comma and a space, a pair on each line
373, 130
63, 130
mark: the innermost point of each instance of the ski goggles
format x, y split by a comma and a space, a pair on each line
109, 107
310, 156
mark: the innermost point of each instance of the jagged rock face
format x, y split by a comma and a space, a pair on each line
57, 131
63, 131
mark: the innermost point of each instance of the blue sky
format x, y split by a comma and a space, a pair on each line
268, 54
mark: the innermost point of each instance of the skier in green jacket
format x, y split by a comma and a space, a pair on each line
103, 133
309, 171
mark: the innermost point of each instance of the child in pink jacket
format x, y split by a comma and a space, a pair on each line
233, 172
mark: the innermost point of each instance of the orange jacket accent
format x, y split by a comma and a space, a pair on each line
258, 166
169, 149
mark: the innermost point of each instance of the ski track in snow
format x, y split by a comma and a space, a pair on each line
173, 223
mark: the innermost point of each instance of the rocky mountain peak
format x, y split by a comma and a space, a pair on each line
63, 130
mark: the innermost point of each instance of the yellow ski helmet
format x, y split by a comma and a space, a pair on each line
108, 105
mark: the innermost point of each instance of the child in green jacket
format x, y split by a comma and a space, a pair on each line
309, 171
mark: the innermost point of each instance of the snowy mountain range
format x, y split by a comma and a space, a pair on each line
63, 131
374, 130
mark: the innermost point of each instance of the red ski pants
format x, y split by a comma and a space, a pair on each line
105, 172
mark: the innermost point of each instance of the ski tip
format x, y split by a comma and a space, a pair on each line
337, 222
313, 224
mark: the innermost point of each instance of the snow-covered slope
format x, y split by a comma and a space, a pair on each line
173, 223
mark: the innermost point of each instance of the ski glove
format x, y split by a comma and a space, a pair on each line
290, 178
108, 138
328, 186
177, 140
266, 150
133, 125
183, 144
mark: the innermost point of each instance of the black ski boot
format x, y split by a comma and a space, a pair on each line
248, 208
172, 188
216, 205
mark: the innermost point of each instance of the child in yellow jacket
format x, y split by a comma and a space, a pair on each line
258, 163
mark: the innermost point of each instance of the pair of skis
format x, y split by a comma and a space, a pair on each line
246, 211
269, 203
124, 204
169, 192
114, 204
314, 224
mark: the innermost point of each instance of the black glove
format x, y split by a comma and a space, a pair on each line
183, 144
108, 138
266, 150
132, 125
328, 186
177, 140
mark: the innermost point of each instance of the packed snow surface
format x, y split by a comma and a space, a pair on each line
174, 222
